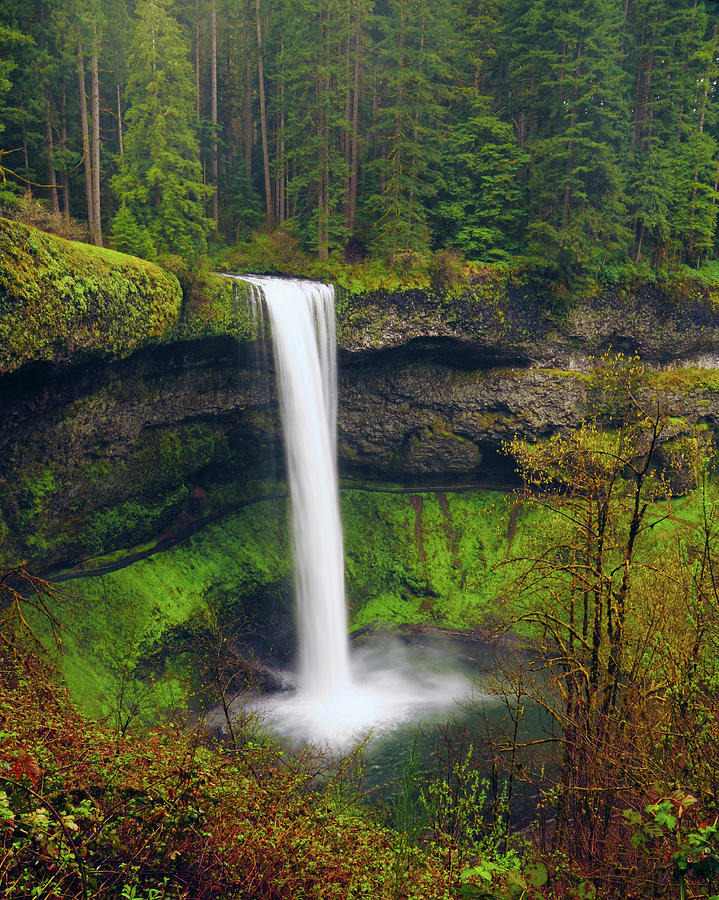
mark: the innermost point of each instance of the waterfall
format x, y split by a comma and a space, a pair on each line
335, 702
302, 322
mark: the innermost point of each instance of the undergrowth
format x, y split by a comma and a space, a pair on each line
85, 813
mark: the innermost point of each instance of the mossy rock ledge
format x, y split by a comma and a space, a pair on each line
133, 408
507, 319
64, 302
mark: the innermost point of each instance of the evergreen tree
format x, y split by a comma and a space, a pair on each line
482, 196
671, 62
415, 48
309, 85
567, 61
129, 237
572, 133
481, 202
160, 179
10, 41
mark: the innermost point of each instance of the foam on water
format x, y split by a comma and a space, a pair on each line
391, 684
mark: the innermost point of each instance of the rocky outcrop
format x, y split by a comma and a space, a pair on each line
64, 303
109, 456
135, 410
419, 419
506, 320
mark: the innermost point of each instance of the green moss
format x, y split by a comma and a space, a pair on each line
117, 621
434, 557
215, 305
684, 380
409, 558
423, 557
129, 521
62, 300
37, 489
500, 305
66, 509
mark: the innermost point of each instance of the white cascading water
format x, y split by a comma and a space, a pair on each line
337, 699
302, 319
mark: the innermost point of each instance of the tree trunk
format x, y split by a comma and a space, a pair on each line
121, 147
25, 152
352, 197
263, 116
323, 134
247, 119
638, 110
63, 147
51, 178
197, 61
347, 125
95, 76
280, 179
213, 110
86, 144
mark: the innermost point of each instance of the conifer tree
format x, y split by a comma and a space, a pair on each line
482, 197
415, 47
129, 237
10, 40
568, 57
160, 179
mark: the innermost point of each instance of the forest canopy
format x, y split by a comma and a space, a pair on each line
578, 136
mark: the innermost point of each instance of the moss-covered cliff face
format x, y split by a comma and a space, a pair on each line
111, 456
421, 558
421, 419
137, 413
63, 302
131, 408
505, 319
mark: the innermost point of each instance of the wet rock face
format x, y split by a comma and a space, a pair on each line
118, 453
112, 455
415, 419
500, 322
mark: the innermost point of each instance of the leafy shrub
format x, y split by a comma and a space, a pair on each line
446, 268
29, 211
88, 813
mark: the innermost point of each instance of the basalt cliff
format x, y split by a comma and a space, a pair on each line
132, 406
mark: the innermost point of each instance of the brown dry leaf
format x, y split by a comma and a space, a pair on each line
25, 764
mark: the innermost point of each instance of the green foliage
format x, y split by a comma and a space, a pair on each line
414, 44
89, 812
481, 202
160, 180
579, 138
129, 237
674, 821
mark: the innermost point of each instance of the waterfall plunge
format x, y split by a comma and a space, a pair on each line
302, 319
385, 684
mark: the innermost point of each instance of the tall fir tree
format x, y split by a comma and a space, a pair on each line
564, 62
481, 193
160, 178
415, 47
